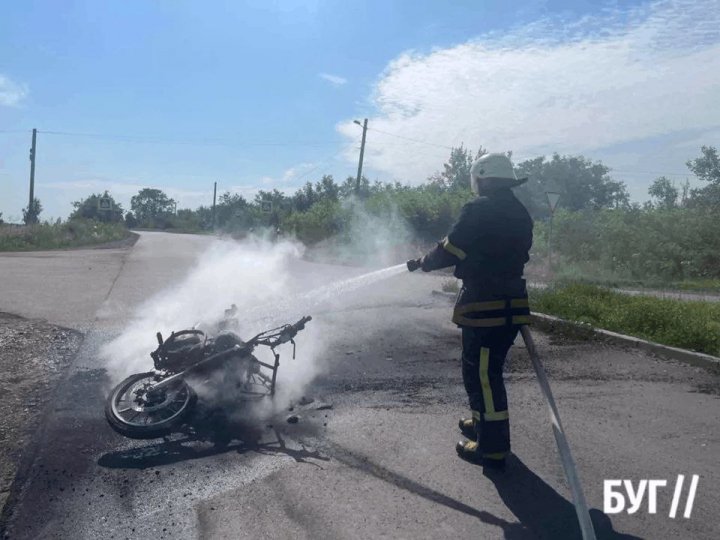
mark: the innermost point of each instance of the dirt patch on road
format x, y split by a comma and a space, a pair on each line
33, 356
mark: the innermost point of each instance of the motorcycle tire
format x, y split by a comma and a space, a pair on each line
136, 421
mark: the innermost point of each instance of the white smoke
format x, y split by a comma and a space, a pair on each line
372, 237
271, 285
252, 274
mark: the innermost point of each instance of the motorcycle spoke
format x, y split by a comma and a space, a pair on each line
179, 399
172, 412
172, 406
175, 409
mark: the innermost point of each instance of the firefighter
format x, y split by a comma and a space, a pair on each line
488, 246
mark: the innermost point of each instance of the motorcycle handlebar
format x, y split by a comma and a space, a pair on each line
300, 325
293, 329
281, 335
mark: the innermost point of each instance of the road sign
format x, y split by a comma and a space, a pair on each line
553, 199
105, 203
266, 207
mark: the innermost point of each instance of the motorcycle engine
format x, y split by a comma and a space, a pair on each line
179, 352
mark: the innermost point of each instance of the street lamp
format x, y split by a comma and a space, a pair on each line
362, 153
552, 197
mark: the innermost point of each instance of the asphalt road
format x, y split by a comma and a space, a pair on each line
380, 463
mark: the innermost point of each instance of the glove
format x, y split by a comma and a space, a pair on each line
413, 264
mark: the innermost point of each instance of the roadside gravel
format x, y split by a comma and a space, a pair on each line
33, 356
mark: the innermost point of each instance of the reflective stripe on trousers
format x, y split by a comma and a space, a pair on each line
484, 351
489, 414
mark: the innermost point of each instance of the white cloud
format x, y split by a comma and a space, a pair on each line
11, 92
335, 80
551, 86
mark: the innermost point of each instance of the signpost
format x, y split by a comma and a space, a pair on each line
553, 198
105, 204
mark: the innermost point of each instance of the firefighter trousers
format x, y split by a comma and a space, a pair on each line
483, 358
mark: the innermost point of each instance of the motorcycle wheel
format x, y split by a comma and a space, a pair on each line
150, 420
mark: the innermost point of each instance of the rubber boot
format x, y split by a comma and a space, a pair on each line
467, 428
470, 451
470, 427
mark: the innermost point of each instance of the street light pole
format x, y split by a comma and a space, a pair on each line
362, 153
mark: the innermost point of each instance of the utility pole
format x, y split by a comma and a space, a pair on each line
214, 199
33, 149
362, 153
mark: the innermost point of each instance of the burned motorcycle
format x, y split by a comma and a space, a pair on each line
152, 404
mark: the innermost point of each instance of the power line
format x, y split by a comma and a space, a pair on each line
208, 142
411, 139
320, 164
135, 138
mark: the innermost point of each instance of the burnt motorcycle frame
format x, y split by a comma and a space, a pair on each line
178, 370
272, 339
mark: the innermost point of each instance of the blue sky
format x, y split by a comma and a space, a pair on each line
255, 95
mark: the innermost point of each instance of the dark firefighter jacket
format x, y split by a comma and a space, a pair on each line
489, 246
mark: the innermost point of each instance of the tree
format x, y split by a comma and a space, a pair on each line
204, 217
304, 198
281, 206
152, 207
706, 168
581, 183
664, 192
349, 187
456, 171
327, 189
89, 208
31, 214
230, 207
130, 220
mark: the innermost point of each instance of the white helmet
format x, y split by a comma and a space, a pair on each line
494, 171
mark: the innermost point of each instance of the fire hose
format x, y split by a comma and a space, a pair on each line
581, 509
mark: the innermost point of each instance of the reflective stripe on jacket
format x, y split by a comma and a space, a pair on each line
489, 246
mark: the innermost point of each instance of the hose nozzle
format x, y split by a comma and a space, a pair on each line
413, 264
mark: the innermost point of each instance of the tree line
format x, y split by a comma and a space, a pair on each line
672, 236
316, 210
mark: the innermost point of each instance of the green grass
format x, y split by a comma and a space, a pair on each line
567, 272
685, 324
75, 233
